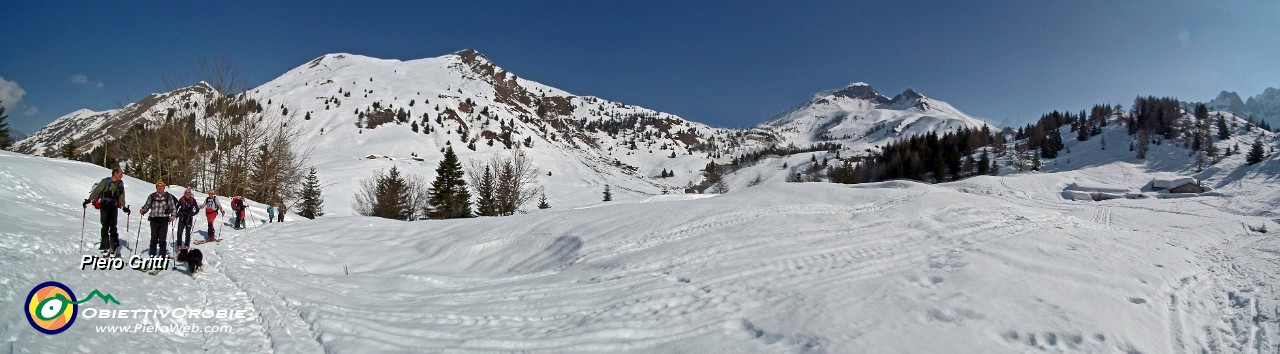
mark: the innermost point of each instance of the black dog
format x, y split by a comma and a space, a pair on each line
194, 259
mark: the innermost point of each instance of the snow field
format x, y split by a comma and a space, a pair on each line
988, 264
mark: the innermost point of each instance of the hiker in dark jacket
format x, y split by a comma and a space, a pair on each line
187, 210
160, 208
107, 196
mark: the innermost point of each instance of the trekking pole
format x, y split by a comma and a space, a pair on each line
128, 217
173, 237
84, 214
169, 237
133, 248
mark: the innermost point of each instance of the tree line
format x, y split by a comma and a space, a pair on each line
496, 187
930, 157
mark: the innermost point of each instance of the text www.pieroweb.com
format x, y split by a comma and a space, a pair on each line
170, 328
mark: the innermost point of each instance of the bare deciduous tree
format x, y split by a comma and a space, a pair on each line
514, 182
222, 74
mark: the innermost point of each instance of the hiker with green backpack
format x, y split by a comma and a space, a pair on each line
108, 196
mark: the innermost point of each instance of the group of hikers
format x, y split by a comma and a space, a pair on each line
161, 208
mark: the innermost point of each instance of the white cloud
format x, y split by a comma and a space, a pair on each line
11, 93
82, 79
31, 111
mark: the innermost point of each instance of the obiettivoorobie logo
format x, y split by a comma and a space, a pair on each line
52, 306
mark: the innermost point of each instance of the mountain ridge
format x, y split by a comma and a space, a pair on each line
349, 107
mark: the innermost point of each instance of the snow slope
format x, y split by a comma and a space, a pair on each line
988, 264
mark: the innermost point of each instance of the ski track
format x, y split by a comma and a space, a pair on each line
699, 304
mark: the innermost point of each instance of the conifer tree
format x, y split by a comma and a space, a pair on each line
841, 173
1052, 144
984, 163
448, 197
608, 196
1255, 153
720, 187
68, 149
5, 139
1224, 132
485, 201
542, 202
312, 202
503, 184
387, 195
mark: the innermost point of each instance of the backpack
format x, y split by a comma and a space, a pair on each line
188, 207
210, 205
110, 189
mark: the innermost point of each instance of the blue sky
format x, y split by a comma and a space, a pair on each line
725, 63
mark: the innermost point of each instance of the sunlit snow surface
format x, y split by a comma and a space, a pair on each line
988, 264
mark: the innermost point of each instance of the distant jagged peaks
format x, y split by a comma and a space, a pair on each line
1227, 101
864, 91
909, 94
1264, 106
907, 99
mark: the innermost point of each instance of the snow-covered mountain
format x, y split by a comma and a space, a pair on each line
89, 128
404, 113
860, 117
1264, 106
1226, 101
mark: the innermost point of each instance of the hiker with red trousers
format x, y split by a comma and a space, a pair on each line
211, 211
